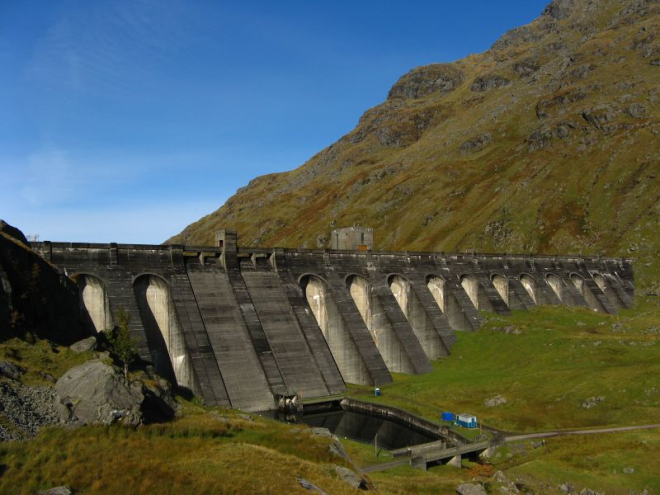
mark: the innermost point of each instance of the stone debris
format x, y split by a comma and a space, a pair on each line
10, 370
322, 432
636, 111
84, 345
26, 409
58, 490
221, 419
350, 477
498, 400
601, 115
471, 489
567, 488
589, 491
336, 448
47, 376
307, 485
477, 142
593, 401
508, 485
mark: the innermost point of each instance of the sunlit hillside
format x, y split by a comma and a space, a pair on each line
548, 143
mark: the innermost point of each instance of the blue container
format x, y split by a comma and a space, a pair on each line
448, 416
377, 392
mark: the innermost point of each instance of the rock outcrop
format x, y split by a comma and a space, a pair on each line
35, 297
12, 231
423, 81
95, 392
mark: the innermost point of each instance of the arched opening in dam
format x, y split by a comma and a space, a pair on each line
94, 303
557, 285
414, 311
607, 289
501, 284
164, 336
476, 293
330, 320
529, 283
379, 326
447, 303
584, 289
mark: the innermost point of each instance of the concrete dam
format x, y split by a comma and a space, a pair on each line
244, 327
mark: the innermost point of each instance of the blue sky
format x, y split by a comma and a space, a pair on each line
126, 120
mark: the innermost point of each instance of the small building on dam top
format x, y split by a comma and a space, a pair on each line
243, 327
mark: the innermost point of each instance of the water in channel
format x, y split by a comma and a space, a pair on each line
363, 428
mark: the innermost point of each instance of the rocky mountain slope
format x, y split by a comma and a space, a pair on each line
548, 143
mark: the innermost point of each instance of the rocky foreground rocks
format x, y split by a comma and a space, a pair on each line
26, 409
95, 393
91, 393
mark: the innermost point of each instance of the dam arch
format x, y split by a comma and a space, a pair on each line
381, 330
345, 352
163, 333
476, 293
414, 311
583, 288
447, 302
94, 302
501, 284
606, 288
529, 283
557, 285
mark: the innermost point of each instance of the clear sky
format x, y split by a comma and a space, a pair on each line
126, 120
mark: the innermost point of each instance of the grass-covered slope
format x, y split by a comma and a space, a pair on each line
199, 453
204, 450
547, 363
546, 143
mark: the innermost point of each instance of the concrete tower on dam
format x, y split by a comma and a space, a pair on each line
242, 327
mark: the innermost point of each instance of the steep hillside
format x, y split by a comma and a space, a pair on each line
36, 299
548, 142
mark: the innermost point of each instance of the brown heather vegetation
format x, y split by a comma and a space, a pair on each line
547, 143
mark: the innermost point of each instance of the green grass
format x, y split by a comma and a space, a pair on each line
194, 454
561, 357
40, 358
594, 461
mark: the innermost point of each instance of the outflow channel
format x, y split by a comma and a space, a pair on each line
384, 433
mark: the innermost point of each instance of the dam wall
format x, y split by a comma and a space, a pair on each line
244, 327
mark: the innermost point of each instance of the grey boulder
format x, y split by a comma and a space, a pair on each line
350, 477
309, 486
84, 345
95, 392
470, 489
10, 370
58, 490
